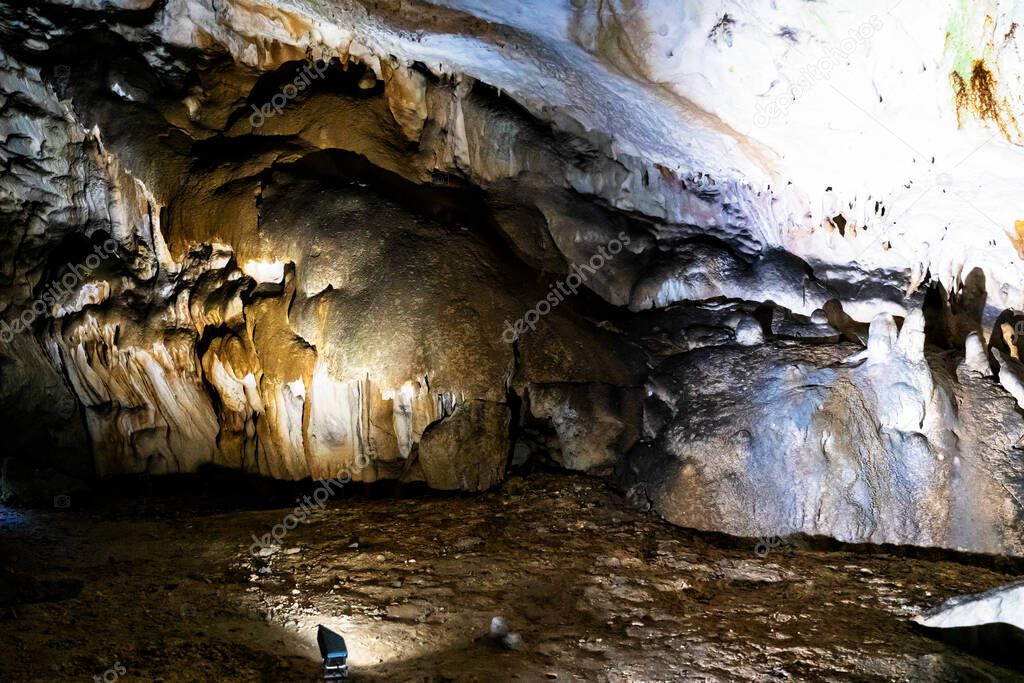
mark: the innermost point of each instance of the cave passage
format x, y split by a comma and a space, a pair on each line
516, 340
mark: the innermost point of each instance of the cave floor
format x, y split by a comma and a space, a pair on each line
597, 590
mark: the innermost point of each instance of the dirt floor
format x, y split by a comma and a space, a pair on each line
165, 588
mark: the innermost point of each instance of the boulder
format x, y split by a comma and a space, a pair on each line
595, 423
989, 624
467, 450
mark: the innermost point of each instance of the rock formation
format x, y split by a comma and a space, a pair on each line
989, 624
885, 446
421, 241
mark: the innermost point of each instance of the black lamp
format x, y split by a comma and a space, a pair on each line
334, 653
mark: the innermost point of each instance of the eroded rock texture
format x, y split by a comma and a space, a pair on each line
423, 241
296, 290
885, 447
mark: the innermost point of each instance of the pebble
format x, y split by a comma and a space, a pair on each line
499, 629
512, 641
501, 633
468, 542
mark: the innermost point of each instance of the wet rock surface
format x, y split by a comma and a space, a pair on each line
595, 591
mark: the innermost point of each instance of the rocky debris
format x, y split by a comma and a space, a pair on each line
500, 633
593, 587
637, 497
469, 543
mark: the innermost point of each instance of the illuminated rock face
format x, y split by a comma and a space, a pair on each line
389, 238
883, 447
1004, 605
290, 295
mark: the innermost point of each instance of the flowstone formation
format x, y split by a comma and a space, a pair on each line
427, 242
886, 445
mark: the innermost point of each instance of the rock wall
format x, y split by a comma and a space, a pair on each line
421, 241
222, 326
883, 446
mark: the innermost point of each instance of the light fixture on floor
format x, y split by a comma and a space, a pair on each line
334, 652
